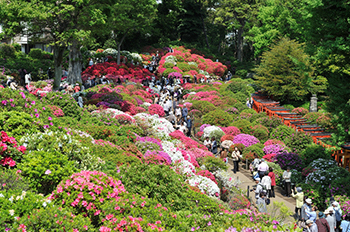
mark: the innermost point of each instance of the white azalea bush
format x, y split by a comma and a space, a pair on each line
213, 131
64, 143
226, 179
136, 57
205, 184
111, 52
154, 125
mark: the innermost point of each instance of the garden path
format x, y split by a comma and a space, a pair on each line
245, 178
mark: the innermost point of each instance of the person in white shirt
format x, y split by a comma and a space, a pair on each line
178, 111
207, 143
266, 182
259, 188
91, 62
28, 78
183, 128
286, 177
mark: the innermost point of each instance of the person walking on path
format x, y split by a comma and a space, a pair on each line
286, 178
306, 207
262, 168
322, 224
259, 188
236, 156
345, 224
337, 213
189, 125
223, 155
266, 182
184, 112
310, 226
273, 182
261, 203
331, 221
299, 197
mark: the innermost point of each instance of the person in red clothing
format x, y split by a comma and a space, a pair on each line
322, 224
76, 88
273, 182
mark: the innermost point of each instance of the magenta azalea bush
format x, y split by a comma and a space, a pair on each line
231, 130
202, 127
275, 149
156, 109
246, 140
161, 156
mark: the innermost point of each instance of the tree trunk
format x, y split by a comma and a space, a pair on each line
57, 58
75, 63
119, 45
205, 32
240, 44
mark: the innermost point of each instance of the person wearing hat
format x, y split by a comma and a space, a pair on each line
337, 214
322, 224
310, 226
330, 219
299, 197
345, 224
306, 207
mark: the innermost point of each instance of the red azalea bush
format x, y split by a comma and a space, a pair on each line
156, 109
55, 110
187, 142
124, 119
85, 192
269, 157
227, 137
207, 174
10, 152
231, 130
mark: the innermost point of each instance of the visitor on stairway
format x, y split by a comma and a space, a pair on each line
345, 224
236, 157
189, 123
273, 182
299, 197
207, 143
262, 168
287, 184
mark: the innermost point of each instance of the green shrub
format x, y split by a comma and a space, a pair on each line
256, 148
16, 124
17, 203
203, 106
7, 51
218, 118
243, 125
65, 101
270, 123
282, 132
313, 116
313, 152
12, 180
250, 111
46, 219
298, 141
167, 71
45, 170
183, 66
212, 164
255, 117
241, 97
168, 65
35, 53
261, 133
288, 106
240, 106
65, 144
296, 177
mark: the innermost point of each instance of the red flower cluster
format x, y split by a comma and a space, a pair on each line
9, 150
207, 174
156, 109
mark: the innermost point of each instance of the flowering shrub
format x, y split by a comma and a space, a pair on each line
124, 119
300, 110
273, 141
231, 130
275, 149
323, 164
307, 170
202, 127
282, 132
269, 157
246, 140
157, 157
324, 121
207, 174
298, 141
213, 131
10, 152
85, 192
270, 122
291, 160
227, 137
255, 148
232, 110
56, 111
156, 109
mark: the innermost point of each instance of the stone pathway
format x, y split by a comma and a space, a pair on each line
246, 180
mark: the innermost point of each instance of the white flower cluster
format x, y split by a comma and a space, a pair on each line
205, 185
111, 52
159, 127
136, 57
193, 63
322, 164
227, 181
212, 131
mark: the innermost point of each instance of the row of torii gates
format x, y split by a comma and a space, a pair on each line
262, 103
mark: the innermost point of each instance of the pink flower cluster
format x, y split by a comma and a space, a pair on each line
207, 174
157, 157
156, 109
9, 149
246, 140
124, 119
231, 130
187, 142
190, 156
273, 141
105, 143
275, 149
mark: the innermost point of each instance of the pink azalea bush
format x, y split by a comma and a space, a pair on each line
207, 174
273, 141
300, 110
231, 130
275, 149
156, 109
157, 157
246, 140
10, 152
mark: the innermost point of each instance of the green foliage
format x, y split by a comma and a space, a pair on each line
17, 124
65, 144
250, 111
282, 132
270, 123
203, 106
147, 146
278, 172
183, 66
35, 53
255, 117
240, 106
298, 141
17, 203
53, 218
260, 132
296, 177
212, 164
45, 170
256, 148
12, 180
218, 118
313, 152
243, 125
65, 101
285, 71
7, 51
